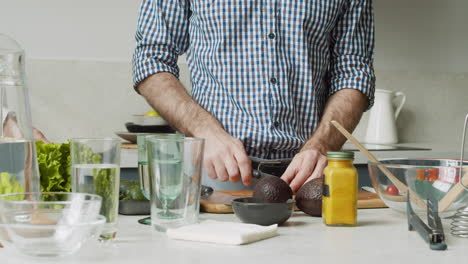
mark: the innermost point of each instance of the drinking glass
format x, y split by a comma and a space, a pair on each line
175, 166
96, 170
143, 172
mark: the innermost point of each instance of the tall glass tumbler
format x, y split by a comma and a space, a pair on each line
96, 170
175, 166
143, 172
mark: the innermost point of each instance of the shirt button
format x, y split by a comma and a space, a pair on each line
273, 80
276, 124
272, 35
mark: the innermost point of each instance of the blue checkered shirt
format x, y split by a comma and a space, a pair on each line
263, 68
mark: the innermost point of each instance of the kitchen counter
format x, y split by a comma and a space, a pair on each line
381, 237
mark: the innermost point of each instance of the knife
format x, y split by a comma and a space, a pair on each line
210, 196
256, 174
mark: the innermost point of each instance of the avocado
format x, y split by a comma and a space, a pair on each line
272, 190
309, 197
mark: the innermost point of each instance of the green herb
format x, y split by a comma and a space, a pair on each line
104, 183
54, 166
130, 190
9, 184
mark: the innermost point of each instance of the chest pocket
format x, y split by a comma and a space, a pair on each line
321, 15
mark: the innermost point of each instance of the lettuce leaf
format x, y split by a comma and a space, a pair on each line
54, 166
9, 184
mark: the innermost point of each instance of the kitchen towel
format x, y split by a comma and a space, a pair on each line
229, 233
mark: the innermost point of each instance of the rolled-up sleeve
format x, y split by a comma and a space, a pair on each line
352, 47
162, 35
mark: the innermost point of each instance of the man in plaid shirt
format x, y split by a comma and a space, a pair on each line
267, 77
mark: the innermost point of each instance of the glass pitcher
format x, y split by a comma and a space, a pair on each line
18, 161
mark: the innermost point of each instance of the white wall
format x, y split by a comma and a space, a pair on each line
80, 73
72, 29
422, 50
421, 35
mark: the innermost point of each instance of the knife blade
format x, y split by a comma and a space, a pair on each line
219, 198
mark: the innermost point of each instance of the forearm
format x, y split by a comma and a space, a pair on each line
345, 106
164, 92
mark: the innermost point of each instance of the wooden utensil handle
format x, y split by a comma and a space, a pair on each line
452, 195
401, 186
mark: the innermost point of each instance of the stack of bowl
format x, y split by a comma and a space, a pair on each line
49, 224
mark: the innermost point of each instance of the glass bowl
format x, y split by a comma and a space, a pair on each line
49, 224
423, 176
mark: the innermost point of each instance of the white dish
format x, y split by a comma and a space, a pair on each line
130, 137
143, 120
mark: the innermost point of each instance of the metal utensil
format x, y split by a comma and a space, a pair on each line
433, 233
257, 174
459, 226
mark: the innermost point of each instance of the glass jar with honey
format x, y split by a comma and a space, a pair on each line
339, 199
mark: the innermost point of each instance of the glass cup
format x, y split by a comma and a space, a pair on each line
96, 170
175, 166
143, 172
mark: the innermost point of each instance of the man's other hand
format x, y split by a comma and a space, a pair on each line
306, 165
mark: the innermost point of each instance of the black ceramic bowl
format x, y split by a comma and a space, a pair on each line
255, 211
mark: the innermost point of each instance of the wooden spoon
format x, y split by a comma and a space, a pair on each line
452, 195
401, 186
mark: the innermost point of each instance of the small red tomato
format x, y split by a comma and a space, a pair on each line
392, 190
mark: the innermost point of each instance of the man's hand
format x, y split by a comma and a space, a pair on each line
225, 159
306, 165
11, 129
39, 136
345, 106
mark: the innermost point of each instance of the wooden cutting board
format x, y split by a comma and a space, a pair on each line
365, 200
126, 145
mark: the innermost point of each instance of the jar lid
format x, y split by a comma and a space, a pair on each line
340, 155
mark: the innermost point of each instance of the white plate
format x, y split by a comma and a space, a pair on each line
130, 137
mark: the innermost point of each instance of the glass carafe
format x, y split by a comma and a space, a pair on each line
18, 161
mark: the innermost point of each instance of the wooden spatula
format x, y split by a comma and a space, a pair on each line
401, 186
452, 195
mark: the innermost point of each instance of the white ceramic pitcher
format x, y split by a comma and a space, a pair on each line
381, 128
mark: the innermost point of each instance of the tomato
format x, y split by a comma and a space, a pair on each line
432, 174
432, 177
392, 190
420, 174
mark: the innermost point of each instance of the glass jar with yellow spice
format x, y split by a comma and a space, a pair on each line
339, 201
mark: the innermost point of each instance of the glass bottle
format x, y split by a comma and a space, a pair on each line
18, 161
339, 199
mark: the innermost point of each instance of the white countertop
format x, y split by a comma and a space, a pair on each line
129, 157
381, 237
